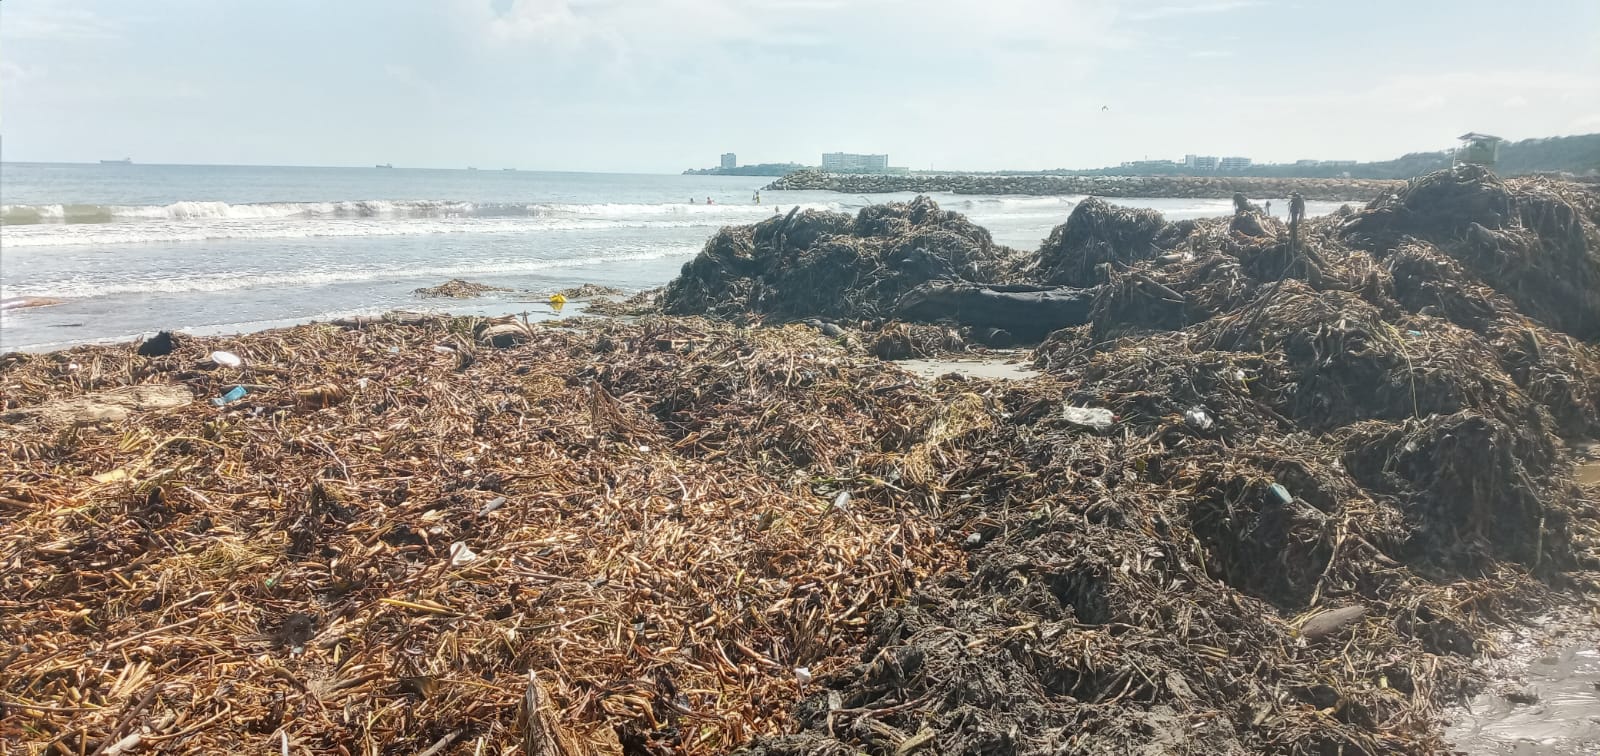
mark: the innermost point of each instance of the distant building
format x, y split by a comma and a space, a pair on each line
1200, 162
850, 162
1339, 163
1307, 163
730, 160
1233, 164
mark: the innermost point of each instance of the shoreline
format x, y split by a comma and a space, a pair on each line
1157, 187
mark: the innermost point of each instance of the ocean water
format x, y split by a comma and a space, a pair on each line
132, 249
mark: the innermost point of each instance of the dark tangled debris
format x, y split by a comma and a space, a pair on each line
1336, 462
825, 264
1331, 466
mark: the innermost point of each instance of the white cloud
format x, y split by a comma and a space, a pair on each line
13, 73
54, 21
1515, 101
408, 77
1425, 91
1203, 7
652, 29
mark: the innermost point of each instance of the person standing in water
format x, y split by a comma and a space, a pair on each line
708, 200
758, 197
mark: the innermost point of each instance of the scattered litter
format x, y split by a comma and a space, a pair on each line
234, 394
1094, 418
226, 359
1197, 418
1280, 495
1326, 623
460, 555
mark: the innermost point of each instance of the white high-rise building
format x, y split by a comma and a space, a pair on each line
850, 162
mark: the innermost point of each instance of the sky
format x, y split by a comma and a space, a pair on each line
663, 85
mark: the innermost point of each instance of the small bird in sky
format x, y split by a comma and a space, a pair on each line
1104, 108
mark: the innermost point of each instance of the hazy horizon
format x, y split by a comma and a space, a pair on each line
659, 86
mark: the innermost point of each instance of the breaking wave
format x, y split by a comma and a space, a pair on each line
22, 215
156, 282
58, 225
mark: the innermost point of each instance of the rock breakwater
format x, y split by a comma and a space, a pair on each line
1201, 187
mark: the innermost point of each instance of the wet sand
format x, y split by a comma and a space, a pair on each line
1546, 698
1008, 365
1589, 473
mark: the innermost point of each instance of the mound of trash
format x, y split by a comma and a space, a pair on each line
1277, 486
815, 263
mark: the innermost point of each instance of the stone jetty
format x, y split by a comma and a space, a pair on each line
1207, 187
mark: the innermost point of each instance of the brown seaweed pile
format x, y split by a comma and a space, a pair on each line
457, 288
372, 535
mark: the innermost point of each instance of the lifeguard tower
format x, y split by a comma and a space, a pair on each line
1478, 149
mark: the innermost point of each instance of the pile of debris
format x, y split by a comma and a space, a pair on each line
1297, 477
360, 540
825, 264
590, 291
1272, 491
456, 288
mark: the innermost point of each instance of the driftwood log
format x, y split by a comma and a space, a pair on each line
1028, 313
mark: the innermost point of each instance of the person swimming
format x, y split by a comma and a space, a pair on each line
708, 200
